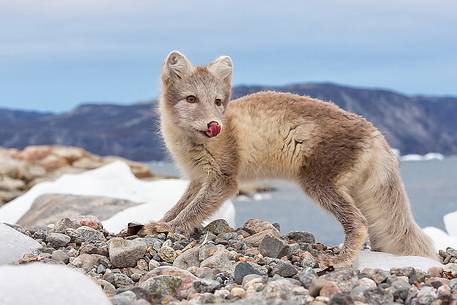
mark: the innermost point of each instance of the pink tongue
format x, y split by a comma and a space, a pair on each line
213, 130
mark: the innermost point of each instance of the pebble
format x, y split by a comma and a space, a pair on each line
328, 289
206, 285
237, 292
124, 298
243, 269
58, 240
219, 261
378, 296
302, 237
400, 289
284, 269
167, 254
153, 264
340, 299
118, 279
218, 226
451, 269
161, 285
189, 258
60, 256
307, 276
308, 260
125, 253
272, 247
89, 235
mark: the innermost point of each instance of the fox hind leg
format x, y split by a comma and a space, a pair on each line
341, 205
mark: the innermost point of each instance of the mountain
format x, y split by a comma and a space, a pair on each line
413, 124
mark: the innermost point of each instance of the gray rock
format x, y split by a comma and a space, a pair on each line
50, 208
218, 226
410, 272
242, 269
48, 285
60, 256
219, 261
378, 296
272, 247
206, 285
308, 261
65, 223
188, 259
89, 261
89, 235
284, 269
301, 237
346, 278
118, 279
357, 293
280, 289
125, 253
153, 264
307, 276
377, 275
399, 289
123, 298
101, 269
341, 299
57, 240
426, 295
453, 285
161, 285
13, 244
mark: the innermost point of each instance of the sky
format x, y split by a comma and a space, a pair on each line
56, 54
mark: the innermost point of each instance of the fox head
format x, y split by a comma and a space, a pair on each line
196, 96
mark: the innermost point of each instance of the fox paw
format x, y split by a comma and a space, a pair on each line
155, 228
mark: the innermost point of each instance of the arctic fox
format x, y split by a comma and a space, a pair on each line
338, 158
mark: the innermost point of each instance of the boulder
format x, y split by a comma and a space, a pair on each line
50, 208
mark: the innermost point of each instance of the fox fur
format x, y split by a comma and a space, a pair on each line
338, 158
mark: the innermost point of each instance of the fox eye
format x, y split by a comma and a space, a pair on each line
191, 99
218, 102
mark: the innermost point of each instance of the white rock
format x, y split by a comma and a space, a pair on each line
41, 284
386, 261
14, 244
113, 180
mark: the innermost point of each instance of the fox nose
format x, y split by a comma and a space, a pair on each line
213, 129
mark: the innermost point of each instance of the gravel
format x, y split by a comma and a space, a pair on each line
253, 264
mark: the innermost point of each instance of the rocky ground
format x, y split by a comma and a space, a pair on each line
254, 264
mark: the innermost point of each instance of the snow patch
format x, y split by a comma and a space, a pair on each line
117, 181
41, 284
386, 261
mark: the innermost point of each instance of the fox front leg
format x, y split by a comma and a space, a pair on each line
214, 192
192, 190
163, 226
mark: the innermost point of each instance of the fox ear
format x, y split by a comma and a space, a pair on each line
221, 67
176, 65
